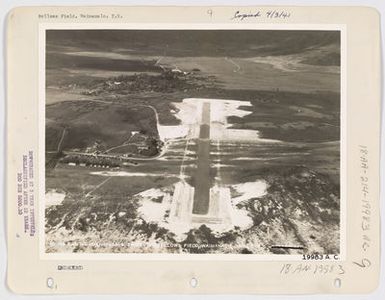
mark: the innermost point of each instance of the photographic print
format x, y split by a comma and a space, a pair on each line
192, 142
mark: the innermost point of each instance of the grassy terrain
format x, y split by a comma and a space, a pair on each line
60, 60
90, 123
294, 117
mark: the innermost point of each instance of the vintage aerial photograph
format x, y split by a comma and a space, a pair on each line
192, 141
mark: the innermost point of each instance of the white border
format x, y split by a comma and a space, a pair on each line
195, 26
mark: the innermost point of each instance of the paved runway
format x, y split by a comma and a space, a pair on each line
202, 174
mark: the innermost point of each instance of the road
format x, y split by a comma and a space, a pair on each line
61, 140
233, 63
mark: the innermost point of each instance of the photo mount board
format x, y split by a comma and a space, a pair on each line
354, 270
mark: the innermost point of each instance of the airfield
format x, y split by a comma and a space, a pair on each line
151, 148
